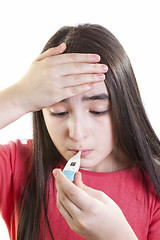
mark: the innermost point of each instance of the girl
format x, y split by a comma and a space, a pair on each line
84, 96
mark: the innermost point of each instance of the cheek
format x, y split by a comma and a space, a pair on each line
53, 128
57, 136
106, 134
54, 132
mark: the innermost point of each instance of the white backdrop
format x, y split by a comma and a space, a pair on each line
27, 25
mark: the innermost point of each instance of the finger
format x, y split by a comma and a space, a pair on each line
68, 208
76, 90
52, 51
78, 182
63, 210
81, 68
76, 195
76, 57
99, 195
78, 79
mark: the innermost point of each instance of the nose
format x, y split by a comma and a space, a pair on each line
77, 128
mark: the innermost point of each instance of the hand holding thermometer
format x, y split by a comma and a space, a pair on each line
72, 166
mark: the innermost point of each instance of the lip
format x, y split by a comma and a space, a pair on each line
84, 153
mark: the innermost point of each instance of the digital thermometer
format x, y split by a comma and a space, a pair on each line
72, 166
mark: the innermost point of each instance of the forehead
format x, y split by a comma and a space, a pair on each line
99, 92
98, 88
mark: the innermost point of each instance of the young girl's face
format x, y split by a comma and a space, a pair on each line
84, 122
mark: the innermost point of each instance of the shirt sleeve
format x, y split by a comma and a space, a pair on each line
14, 165
154, 229
6, 177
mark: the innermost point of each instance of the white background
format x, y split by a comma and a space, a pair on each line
25, 27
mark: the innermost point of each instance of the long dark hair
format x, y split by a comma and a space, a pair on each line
134, 134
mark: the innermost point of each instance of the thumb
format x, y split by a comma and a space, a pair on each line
97, 194
52, 52
78, 182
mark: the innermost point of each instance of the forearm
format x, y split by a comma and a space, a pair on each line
12, 105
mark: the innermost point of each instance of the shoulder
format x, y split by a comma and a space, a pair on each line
21, 151
17, 145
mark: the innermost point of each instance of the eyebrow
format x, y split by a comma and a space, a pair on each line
102, 96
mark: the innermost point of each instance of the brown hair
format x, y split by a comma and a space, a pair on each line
134, 134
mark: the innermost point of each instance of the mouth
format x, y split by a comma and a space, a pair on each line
84, 152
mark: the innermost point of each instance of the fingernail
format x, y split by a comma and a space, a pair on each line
101, 76
62, 45
104, 67
97, 57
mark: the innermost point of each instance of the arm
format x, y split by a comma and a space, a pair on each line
51, 78
90, 213
13, 104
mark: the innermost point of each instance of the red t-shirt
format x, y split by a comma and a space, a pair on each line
125, 187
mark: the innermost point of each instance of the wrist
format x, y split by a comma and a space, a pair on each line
20, 100
125, 234
16, 100
11, 106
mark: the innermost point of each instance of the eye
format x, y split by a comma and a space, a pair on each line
59, 114
99, 113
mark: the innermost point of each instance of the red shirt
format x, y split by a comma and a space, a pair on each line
125, 187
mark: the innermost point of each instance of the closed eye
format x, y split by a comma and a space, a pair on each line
98, 113
59, 114
62, 114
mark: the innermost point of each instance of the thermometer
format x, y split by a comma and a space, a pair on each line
72, 166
